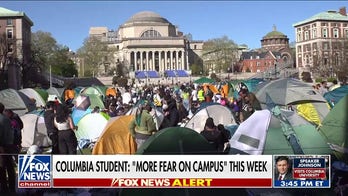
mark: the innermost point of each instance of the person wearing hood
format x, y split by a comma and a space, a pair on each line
143, 125
171, 113
213, 135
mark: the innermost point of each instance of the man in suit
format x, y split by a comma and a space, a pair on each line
283, 171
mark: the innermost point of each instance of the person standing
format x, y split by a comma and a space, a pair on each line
67, 141
52, 131
213, 135
7, 168
143, 125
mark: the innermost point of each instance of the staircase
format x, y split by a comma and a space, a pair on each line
283, 70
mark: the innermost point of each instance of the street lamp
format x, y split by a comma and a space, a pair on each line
50, 76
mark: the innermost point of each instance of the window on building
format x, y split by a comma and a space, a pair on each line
306, 35
299, 49
257, 64
9, 22
314, 33
195, 47
325, 33
346, 32
10, 48
326, 46
299, 37
151, 33
325, 61
335, 33
314, 46
9, 33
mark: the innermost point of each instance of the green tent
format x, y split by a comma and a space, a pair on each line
203, 80
334, 129
176, 140
94, 90
91, 126
42, 93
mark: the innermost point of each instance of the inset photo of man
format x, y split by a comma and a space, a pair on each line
283, 170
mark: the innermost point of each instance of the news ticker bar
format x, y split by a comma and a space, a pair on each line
166, 171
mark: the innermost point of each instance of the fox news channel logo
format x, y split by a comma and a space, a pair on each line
305, 171
34, 171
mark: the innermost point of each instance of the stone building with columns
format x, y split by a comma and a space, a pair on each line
148, 42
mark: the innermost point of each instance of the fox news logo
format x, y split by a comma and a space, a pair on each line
34, 171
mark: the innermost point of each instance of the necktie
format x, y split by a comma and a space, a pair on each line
280, 177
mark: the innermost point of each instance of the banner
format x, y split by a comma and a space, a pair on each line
148, 171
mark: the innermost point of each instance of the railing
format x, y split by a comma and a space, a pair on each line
282, 70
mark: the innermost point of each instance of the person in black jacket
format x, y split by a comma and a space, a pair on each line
213, 135
52, 131
171, 113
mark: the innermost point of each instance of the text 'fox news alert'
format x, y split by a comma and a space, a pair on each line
34, 171
162, 171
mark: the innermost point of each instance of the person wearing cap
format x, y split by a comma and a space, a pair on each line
213, 135
143, 125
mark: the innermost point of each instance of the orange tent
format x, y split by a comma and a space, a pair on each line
111, 91
116, 138
211, 87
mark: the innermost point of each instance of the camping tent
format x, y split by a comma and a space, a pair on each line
334, 129
91, 126
116, 138
176, 140
16, 101
276, 142
94, 90
34, 131
220, 114
32, 94
333, 97
289, 91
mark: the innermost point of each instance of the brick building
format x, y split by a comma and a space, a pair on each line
15, 32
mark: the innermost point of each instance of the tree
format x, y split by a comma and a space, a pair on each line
219, 54
3, 60
46, 54
97, 56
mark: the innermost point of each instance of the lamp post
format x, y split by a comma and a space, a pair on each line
50, 76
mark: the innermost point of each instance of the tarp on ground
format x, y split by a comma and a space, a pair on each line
91, 126
176, 140
34, 95
203, 80
335, 129
116, 138
220, 114
16, 101
34, 131
333, 97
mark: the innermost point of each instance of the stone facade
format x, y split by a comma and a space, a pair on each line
149, 42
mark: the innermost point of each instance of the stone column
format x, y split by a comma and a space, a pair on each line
141, 59
153, 60
165, 60
177, 59
171, 59
182, 60
160, 61
147, 60
135, 61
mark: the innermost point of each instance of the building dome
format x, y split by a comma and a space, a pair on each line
146, 17
275, 40
273, 34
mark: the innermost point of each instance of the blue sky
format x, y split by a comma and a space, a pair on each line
244, 22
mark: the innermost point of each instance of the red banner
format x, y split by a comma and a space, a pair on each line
162, 182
